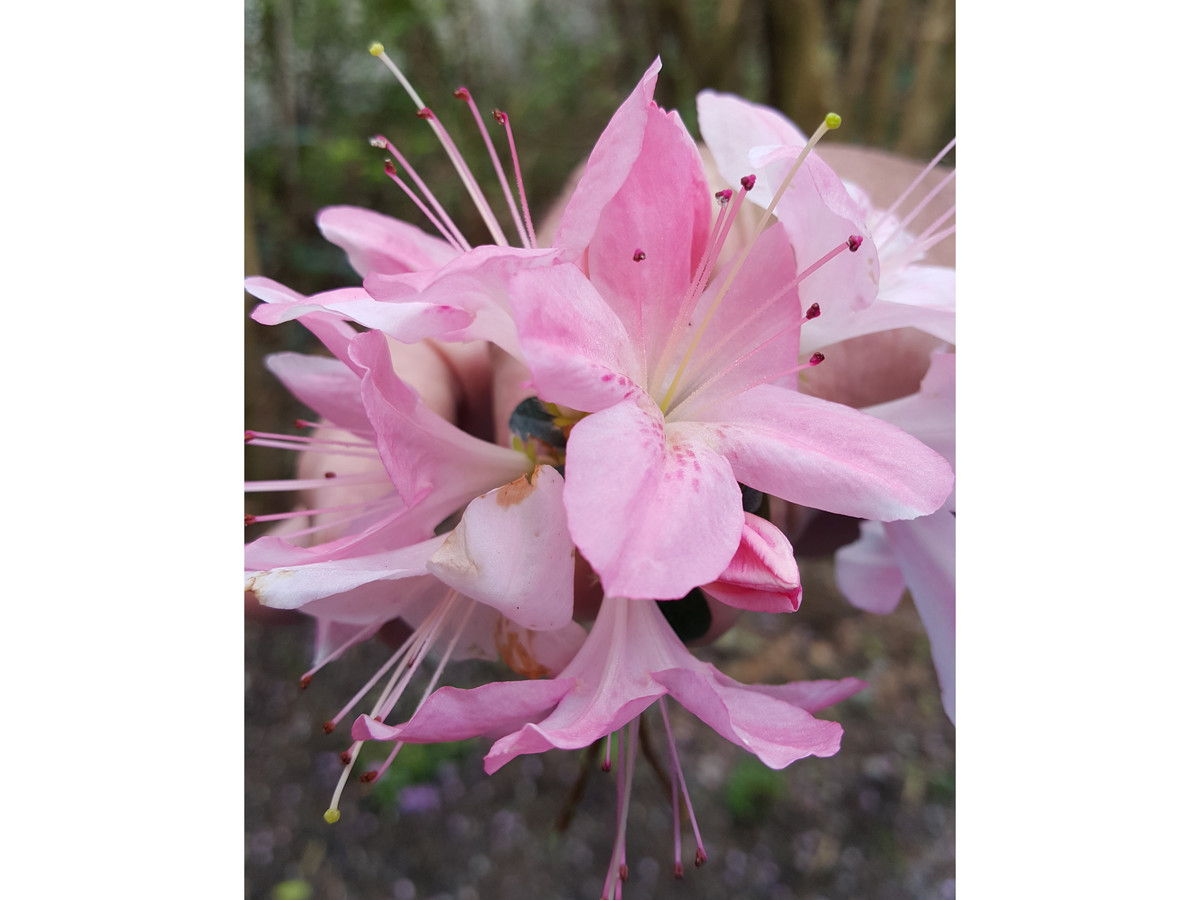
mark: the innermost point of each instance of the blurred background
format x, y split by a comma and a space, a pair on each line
877, 820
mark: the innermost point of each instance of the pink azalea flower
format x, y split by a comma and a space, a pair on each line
677, 370
873, 571
744, 136
501, 581
630, 660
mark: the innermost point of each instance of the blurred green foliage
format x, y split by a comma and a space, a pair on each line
752, 788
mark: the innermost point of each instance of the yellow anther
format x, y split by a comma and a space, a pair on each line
832, 121
332, 815
377, 50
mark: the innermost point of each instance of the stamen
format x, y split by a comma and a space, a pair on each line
726, 216
627, 755
282, 445
813, 312
304, 484
606, 765
929, 168
917, 209
639, 255
463, 94
748, 181
701, 855
311, 441
502, 118
299, 513
761, 310
456, 158
444, 216
454, 238
447, 653
832, 121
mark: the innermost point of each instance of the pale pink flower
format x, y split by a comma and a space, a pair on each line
630, 660
677, 370
874, 570
744, 136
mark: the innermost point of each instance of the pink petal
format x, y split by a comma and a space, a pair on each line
816, 210
574, 344
428, 460
655, 511
297, 586
919, 297
752, 336
925, 552
378, 243
661, 212
812, 696
763, 574
867, 573
827, 456
473, 289
929, 414
453, 714
607, 167
326, 386
777, 732
512, 552
406, 321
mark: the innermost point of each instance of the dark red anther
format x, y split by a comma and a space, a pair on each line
639, 255
813, 311
389, 167
701, 858
346, 757
854, 242
328, 727
299, 423
334, 474
377, 718
368, 777
816, 359
249, 436
678, 870
462, 93
623, 872
606, 765
748, 181
250, 520
424, 113
724, 196
305, 681
499, 116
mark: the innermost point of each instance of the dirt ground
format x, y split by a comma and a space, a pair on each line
874, 821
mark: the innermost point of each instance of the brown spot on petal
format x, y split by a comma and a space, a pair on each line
516, 655
516, 491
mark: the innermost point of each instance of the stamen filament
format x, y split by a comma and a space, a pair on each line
456, 158
358, 636
929, 168
917, 209
299, 513
762, 309
701, 855
455, 240
459, 239
281, 445
311, 441
304, 484
468, 180
831, 121
464, 94
512, 146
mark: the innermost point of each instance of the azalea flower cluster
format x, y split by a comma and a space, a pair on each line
632, 430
